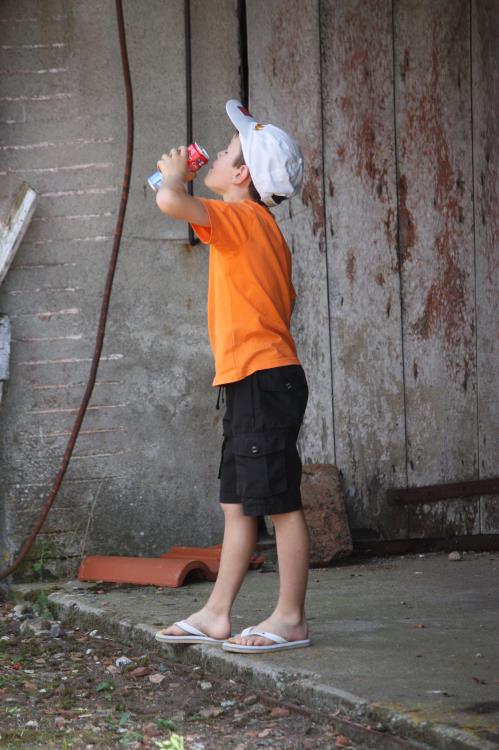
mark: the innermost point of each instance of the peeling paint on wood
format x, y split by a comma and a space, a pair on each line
284, 78
364, 294
432, 94
485, 88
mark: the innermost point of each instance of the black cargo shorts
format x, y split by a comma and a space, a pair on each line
260, 466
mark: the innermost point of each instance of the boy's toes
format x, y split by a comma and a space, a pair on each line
172, 630
250, 640
258, 640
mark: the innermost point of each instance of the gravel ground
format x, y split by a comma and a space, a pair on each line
64, 688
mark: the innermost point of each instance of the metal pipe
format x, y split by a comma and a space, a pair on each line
243, 53
193, 240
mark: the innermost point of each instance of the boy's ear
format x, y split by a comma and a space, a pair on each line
241, 175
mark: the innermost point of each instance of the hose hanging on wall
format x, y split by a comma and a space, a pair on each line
105, 302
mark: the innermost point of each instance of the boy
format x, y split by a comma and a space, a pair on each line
250, 301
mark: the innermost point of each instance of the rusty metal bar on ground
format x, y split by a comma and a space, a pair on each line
434, 492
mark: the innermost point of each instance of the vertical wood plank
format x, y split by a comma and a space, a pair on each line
432, 94
485, 98
284, 85
364, 295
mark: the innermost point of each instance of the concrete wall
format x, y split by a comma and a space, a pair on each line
143, 473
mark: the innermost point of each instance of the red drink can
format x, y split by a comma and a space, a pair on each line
197, 157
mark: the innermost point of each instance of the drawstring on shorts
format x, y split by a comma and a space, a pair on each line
219, 392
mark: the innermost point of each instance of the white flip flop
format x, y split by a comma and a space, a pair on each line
195, 635
279, 643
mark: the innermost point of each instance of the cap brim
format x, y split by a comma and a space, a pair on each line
239, 116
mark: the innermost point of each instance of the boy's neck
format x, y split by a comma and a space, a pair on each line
235, 195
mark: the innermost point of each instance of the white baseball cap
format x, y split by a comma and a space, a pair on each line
273, 158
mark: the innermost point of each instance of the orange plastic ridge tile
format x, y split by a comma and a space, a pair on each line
170, 569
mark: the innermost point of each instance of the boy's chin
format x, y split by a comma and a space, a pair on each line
206, 181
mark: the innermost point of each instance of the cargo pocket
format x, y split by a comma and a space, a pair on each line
282, 379
283, 395
260, 460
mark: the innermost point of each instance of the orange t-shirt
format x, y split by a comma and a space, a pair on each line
250, 291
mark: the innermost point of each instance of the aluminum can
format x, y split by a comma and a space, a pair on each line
197, 157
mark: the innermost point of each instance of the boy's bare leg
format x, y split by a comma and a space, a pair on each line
293, 552
239, 542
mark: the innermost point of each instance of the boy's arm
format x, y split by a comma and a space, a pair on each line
172, 198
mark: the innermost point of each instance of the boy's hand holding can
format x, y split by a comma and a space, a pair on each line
180, 165
173, 166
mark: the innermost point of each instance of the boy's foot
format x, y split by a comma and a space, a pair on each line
292, 631
216, 626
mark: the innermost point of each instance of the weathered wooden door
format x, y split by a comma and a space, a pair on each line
395, 245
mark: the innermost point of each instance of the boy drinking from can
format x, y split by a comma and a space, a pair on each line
250, 302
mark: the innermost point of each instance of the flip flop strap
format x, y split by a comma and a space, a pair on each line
271, 636
189, 628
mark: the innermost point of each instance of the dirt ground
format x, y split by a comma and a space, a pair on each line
62, 688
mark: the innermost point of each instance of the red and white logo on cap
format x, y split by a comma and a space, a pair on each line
245, 111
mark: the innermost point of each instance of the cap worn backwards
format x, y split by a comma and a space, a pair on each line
274, 159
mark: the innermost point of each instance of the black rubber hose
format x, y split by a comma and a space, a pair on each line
105, 302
